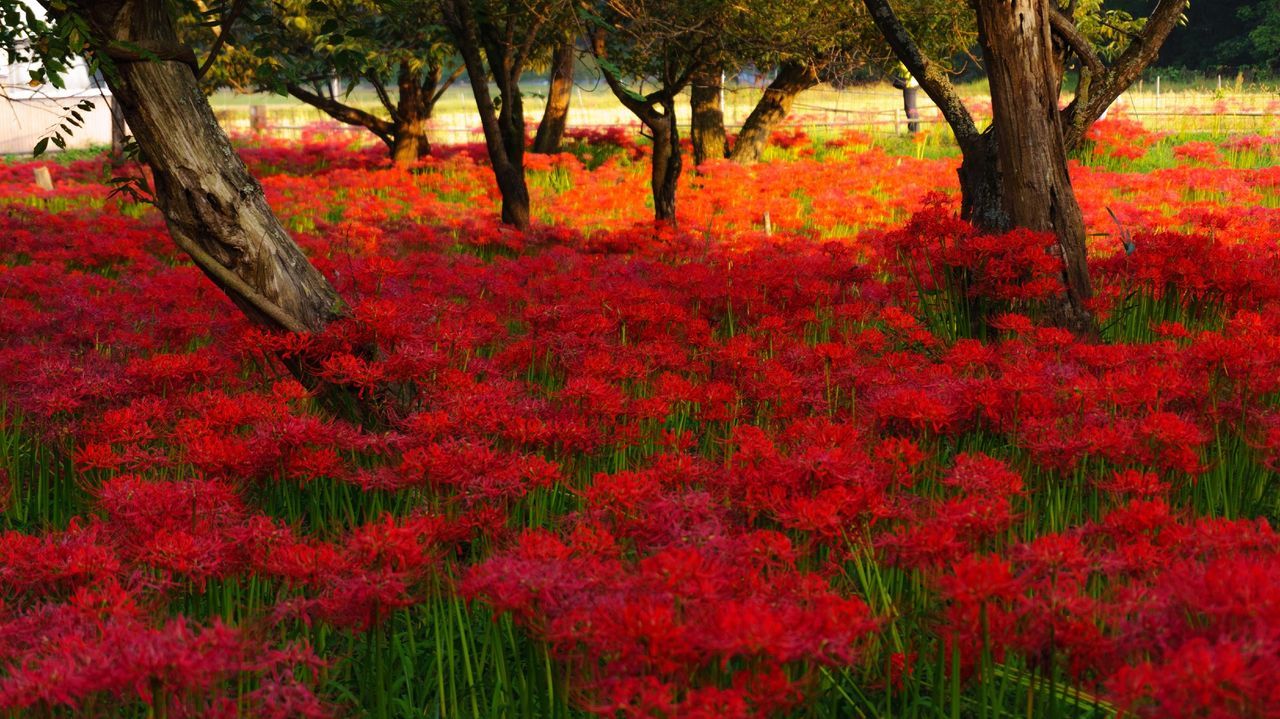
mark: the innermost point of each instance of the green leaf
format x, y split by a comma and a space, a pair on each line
40, 147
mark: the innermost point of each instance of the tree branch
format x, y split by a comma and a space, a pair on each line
674, 86
345, 113
146, 51
446, 84
1079, 116
521, 54
461, 22
383, 97
223, 29
930, 75
1079, 44
641, 108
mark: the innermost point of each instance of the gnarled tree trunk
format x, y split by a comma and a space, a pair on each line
555, 116
793, 78
1018, 52
409, 141
657, 111
1015, 174
707, 125
215, 210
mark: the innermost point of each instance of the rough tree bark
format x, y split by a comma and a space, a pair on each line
793, 78
707, 123
559, 92
503, 127
118, 135
981, 190
215, 210
1018, 53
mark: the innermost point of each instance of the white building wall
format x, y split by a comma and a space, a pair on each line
24, 122
28, 113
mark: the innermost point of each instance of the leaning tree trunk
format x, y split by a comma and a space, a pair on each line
555, 116
667, 162
215, 210
793, 78
1037, 193
707, 126
409, 142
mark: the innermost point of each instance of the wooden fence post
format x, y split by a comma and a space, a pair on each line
257, 118
43, 179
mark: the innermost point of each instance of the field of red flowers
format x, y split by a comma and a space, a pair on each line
760, 464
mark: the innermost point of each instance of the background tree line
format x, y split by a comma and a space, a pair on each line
1222, 36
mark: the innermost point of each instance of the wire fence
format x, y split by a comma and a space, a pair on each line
873, 110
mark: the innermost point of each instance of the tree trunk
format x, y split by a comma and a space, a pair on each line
667, 162
515, 193
559, 92
409, 141
707, 130
118, 135
503, 131
215, 210
981, 194
793, 78
1037, 193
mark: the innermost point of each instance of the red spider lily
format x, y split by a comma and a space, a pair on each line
77, 657
709, 425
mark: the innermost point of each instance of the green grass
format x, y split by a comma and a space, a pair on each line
43, 490
61, 157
